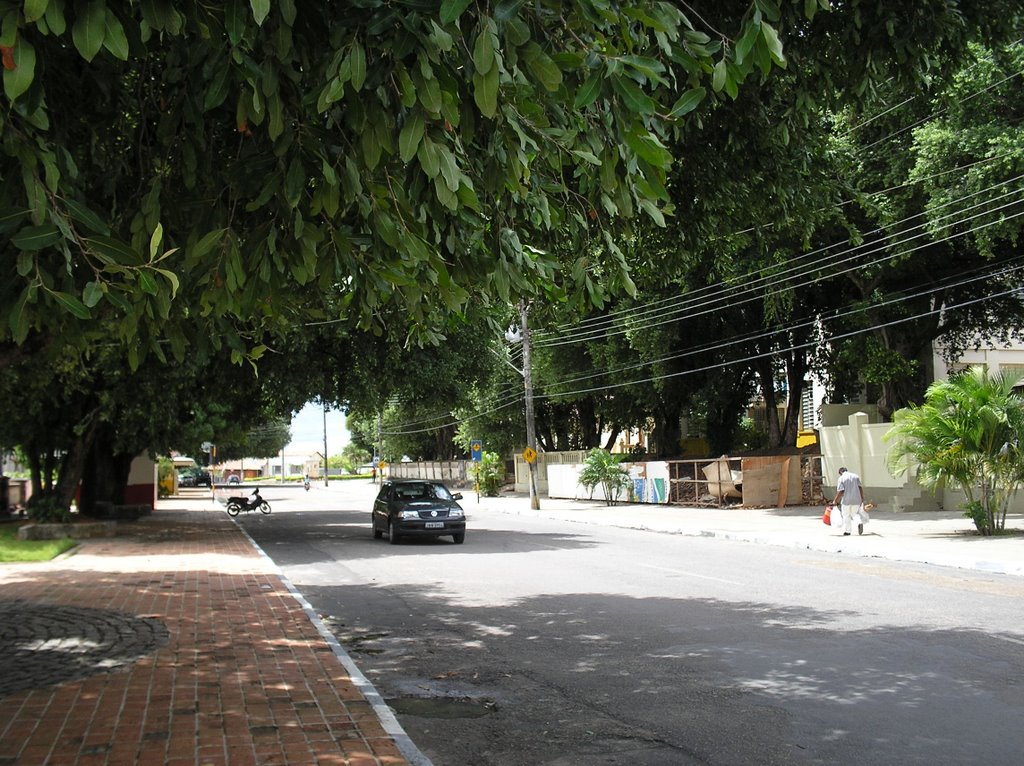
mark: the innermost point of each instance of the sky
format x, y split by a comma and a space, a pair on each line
308, 431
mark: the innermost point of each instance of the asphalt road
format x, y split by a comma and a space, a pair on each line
545, 642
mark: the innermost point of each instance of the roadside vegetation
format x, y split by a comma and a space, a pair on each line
14, 550
967, 435
266, 204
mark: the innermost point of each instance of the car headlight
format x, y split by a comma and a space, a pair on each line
454, 513
410, 515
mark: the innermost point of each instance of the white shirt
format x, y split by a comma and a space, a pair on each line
849, 485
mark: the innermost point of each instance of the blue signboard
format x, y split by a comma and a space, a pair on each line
476, 450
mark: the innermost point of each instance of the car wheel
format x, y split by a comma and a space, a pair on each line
265, 506
459, 538
392, 533
233, 509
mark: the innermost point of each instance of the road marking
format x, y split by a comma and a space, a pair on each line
684, 573
1007, 638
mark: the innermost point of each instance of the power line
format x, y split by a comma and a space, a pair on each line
793, 265
692, 307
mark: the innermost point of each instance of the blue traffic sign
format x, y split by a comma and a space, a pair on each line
476, 450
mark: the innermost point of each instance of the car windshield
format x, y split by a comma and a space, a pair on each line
424, 491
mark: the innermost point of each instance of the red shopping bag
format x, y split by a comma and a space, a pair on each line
827, 516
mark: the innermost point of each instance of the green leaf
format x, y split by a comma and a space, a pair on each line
506, 10
648, 149
114, 252
114, 39
652, 210
206, 244
634, 98
294, 182
90, 29
485, 92
217, 90
86, 217
34, 9
36, 237
719, 75
72, 304
771, 39
260, 9
146, 282
586, 156
9, 27
155, 240
746, 42
589, 91
357, 62
483, 52
18, 320
542, 67
54, 18
18, 79
688, 102
234, 21
92, 294
171, 277
452, 9
409, 138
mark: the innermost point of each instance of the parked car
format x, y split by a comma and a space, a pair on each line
417, 508
194, 477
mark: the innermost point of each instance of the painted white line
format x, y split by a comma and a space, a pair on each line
384, 713
684, 573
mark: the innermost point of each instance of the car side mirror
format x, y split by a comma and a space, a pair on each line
457, 496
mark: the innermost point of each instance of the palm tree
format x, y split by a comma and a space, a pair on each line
602, 467
966, 435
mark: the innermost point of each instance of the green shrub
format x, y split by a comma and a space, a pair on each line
601, 467
489, 474
45, 509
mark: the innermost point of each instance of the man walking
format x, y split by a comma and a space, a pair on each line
850, 499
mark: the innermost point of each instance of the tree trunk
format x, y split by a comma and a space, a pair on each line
796, 369
73, 465
667, 431
104, 477
766, 375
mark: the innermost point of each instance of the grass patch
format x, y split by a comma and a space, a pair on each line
14, 550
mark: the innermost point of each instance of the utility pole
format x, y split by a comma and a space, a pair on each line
326, 470
380, 447
531, 434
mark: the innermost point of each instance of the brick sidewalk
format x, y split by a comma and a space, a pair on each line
173, 643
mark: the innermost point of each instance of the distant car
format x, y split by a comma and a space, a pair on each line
233, 479
194, 478
417, 508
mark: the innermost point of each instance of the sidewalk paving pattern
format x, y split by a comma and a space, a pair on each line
175, 643
178, 642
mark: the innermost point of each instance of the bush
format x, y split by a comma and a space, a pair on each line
489, 474
46, 509
601, 467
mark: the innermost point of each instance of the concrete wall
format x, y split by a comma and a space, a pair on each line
650, 482
859, 445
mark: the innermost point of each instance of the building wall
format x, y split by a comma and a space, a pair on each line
142, 482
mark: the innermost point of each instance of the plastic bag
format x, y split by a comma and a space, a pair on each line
826, 517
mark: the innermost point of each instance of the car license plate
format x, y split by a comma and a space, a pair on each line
434, 525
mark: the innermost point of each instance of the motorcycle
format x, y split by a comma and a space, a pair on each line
305, 483
239, 503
